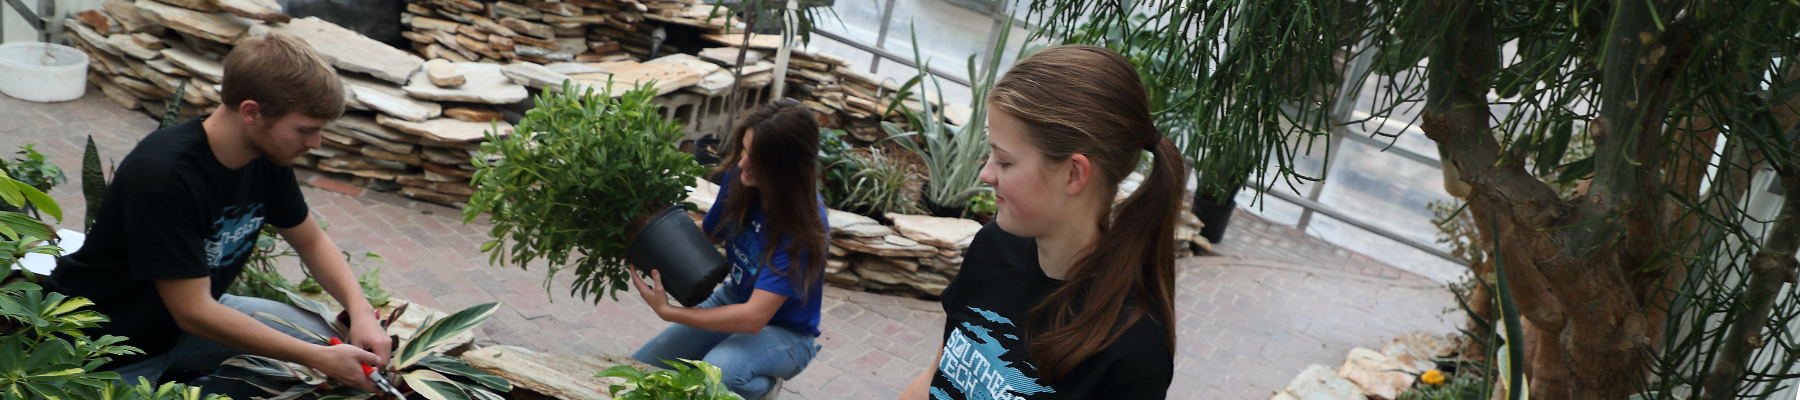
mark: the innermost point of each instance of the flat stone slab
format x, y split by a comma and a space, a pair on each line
627, 75
886, 246
130, 47
196, 5
687, 60
853, 224
473, 114
1317, 382
128, 17
1376, 373
562, 376
443, 73
398, 106
446, 129
350, 51
949, 233
534, 75
94, 39
266, 10
728, 56
484, 83
571, 68
714, 84
201, 66
217, 27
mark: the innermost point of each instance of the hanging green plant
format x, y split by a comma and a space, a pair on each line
580, 174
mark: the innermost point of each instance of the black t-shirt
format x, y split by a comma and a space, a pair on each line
985, 342
172, 211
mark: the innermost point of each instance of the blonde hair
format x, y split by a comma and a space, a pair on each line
283, 75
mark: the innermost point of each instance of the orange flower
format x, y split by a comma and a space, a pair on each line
1432, 377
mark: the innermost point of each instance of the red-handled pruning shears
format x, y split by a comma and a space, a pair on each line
380, 381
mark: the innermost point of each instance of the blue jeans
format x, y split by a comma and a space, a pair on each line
750, 362
195, 355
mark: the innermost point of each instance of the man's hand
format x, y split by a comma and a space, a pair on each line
322, 258
343, 363
656, 297
369, 336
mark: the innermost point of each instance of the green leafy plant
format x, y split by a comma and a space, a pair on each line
834, 173
881, 184
984, 203
15, 226
143, 390
953, 155
33, 169
1467, 385
49, 357
417, 365
44, 354
173, 111
578, 176
93, 182
691, 379
262, 279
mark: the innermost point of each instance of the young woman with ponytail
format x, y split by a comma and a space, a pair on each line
1064, 295
761, 324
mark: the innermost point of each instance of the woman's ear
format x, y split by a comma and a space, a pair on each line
1081, 171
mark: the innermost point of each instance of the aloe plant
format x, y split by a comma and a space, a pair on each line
879, 183
953, 155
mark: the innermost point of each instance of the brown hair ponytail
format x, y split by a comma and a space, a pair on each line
1089, 100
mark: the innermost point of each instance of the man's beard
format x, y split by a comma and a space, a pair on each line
268, 152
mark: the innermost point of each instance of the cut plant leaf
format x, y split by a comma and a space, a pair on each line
452, 366
439, 333
434, 386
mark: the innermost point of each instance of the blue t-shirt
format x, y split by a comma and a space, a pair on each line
745, 250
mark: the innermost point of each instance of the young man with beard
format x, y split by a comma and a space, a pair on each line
183, 212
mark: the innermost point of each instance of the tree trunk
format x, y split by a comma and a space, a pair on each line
1588, 333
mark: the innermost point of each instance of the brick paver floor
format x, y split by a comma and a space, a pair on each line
1249, 320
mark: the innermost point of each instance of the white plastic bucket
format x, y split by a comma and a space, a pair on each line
30, 72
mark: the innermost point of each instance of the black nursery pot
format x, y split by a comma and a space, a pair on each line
691, 267
1215, 216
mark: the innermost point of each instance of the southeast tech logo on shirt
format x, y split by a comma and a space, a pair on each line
974, 367
748, 248
233, 234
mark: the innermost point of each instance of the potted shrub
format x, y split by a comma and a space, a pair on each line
600, 177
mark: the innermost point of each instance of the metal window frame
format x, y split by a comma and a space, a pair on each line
42, 24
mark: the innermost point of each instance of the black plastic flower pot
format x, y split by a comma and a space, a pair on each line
691, 267
1215, 217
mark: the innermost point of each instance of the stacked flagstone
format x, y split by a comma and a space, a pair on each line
547, 32
839, 94
408, 128
918, 253
416, 116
